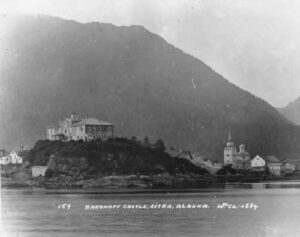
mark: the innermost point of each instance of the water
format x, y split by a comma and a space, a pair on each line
37, 212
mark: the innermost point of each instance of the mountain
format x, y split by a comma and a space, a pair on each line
292, 111
127, 75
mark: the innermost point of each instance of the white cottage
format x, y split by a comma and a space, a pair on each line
257, 163
5, 160
12, 158
15, 158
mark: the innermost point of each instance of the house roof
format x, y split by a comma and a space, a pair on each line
92, 121
257, 156
287, 161
185, 154
295, 162
85, 121
271, 159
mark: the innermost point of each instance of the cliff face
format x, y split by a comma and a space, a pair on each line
127, 75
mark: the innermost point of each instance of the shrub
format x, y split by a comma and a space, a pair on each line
49, 173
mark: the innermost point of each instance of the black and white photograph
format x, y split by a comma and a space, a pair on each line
150, 118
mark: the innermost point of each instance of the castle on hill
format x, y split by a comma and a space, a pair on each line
76, 128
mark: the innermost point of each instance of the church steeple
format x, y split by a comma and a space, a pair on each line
229, 135
242, 147
229, 143
229, 151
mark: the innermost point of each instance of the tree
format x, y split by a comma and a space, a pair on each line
159, 145
134, 139
146, 142
49, 173
227, 170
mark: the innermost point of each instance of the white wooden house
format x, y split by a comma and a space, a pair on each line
257, 163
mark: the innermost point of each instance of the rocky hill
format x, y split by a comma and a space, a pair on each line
127, 75
83, 160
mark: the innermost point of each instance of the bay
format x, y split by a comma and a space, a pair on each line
258, 209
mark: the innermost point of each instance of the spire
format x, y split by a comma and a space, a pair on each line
229, 135
242, 147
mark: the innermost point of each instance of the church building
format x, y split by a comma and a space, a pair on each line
239, 160
242, 159
230, 152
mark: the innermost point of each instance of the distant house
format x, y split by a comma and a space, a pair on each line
297, 165
12, 158
5, 160
185, 155
218, 165
38, 170
173, 152
199, 161
273, 164
288, 166
15, 158
257, 163
86, 129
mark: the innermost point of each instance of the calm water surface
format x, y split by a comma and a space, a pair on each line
37, 212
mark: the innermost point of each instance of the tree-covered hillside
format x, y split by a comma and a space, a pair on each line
292, 111
118, 156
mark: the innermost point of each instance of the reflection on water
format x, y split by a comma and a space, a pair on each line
37, 212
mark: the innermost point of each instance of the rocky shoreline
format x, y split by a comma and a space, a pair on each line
112, 182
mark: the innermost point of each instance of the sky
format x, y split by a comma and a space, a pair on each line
255, 44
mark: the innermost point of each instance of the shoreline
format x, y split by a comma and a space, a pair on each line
212, 187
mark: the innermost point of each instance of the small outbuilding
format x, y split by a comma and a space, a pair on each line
273, 164
38, 170
288, 166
